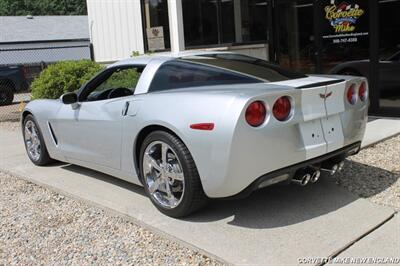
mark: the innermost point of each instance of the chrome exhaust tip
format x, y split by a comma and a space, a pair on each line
302, 180
315, 176
331, 171
341, 166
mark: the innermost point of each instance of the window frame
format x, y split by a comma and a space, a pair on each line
234, 44
97, 80
144, 31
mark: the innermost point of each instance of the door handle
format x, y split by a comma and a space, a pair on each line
125, 109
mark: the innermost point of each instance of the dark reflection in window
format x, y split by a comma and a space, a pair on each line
389, 51
213, 22
296, 35
254, 21
227, 21
155, 14
200, 19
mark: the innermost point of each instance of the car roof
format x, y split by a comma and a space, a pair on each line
165, 56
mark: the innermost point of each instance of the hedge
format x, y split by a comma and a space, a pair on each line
63, 77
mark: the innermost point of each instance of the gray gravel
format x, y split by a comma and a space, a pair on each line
38, 226
10, 125
374, 173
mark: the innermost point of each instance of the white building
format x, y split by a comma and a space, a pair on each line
120, 27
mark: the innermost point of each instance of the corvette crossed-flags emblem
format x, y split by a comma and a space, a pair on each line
326, 95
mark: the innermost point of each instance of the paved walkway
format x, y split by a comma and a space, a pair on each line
277, 225
382, 244
379, 130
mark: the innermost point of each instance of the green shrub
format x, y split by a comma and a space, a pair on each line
62, 77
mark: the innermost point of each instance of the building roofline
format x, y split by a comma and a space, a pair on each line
48, 41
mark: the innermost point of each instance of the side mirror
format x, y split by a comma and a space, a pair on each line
69, 98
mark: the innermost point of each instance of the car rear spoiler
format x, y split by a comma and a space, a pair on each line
320, 84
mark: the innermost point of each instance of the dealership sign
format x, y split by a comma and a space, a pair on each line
343, 18
155, 39
346, 21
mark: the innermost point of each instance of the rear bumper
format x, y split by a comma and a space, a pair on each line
286, 174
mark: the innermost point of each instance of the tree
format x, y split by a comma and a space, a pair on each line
42, 7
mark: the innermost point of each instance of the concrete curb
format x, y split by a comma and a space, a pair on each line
380, 130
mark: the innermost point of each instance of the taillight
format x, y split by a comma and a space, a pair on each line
282, 108
362, 91
352, 95
256, 113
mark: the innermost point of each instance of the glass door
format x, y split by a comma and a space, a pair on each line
156, 25
389, 55
344, 36
294, 35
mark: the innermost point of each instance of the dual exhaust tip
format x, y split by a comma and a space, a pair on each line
305, 176
311, 175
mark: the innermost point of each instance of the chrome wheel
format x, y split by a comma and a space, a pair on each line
163, 174
32, 140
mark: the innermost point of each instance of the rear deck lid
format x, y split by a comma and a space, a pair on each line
322, 101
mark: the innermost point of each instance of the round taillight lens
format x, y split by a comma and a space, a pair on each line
282, 108
362, 91
351, 94
256, 113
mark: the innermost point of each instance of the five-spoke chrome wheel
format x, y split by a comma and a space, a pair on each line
163, 174
32, 140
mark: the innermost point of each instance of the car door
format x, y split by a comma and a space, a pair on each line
91, 130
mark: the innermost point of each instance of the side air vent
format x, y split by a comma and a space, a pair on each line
320, 84
52, 134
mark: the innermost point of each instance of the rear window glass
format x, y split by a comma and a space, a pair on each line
247, 65
179, 73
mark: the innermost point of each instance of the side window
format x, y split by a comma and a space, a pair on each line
118, 83
179, 74
121, 78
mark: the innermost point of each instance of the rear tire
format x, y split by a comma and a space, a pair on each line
171, 181
34, 142
6, 95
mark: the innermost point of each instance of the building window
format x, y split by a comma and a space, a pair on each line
253, 26
217, 22
156, 25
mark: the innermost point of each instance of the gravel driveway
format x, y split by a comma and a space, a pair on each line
40, 226
374, 173
12, 112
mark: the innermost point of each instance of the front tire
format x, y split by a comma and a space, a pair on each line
170, 176
6, 95
34, 142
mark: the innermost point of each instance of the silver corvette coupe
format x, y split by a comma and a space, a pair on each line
194, 126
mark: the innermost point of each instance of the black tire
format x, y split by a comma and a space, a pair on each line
193, 197
6, 95
44, 157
